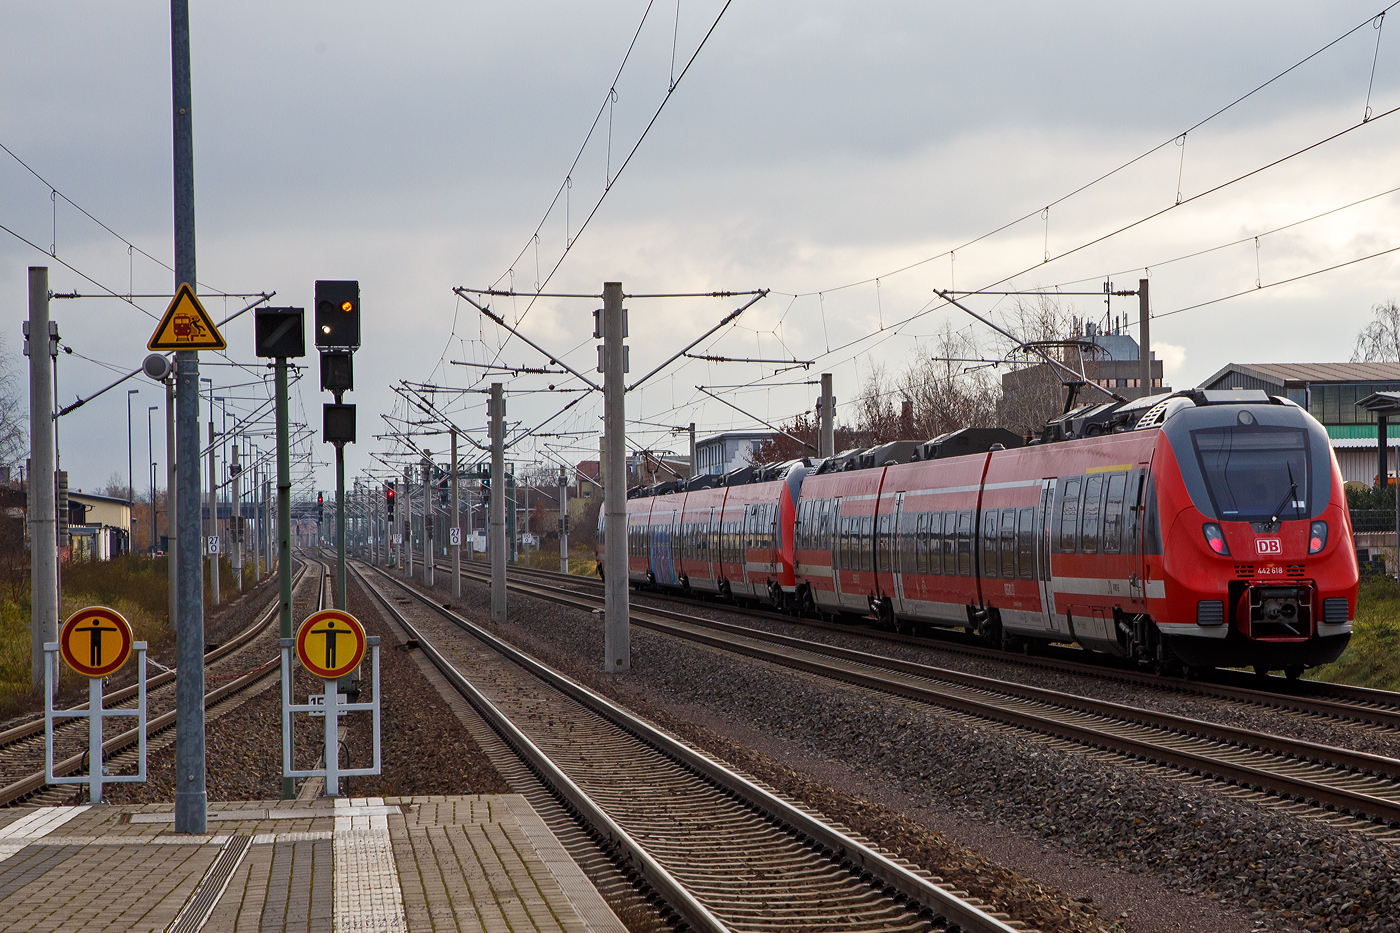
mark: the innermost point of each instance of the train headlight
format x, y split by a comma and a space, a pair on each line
1216, 539
1317, 537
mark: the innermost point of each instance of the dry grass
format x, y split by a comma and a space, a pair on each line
1372, 658
135, 587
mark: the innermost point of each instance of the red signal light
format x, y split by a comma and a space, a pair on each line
1216, 539
1317, 537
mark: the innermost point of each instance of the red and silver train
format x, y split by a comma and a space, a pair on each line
1203, 529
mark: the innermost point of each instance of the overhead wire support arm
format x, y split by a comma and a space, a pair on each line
758, 295
1078, 377
805, 364
756, 418
464, 293
262, 297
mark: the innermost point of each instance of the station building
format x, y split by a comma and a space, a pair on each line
731, 450
1329, 391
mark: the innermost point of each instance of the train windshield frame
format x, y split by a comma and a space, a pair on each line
1256, 472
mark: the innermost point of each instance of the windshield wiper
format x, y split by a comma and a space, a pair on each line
1292, 496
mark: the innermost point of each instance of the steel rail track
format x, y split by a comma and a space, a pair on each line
33, 783
1333, 701
1354, 782
695, 871
116, 697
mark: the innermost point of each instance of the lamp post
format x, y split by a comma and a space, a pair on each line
130, 479
151, 455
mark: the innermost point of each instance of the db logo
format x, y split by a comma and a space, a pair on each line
1269, 545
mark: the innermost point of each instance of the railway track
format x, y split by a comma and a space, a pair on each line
23, 745
1357, 783
1333, 701
723, 852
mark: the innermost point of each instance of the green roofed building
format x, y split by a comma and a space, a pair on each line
1330, 392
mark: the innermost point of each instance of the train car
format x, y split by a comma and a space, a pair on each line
701, 512
1199, 530
734, 540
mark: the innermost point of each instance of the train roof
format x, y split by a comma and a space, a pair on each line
1115, 417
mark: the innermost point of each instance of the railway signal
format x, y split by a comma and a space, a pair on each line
389, 500
338, 314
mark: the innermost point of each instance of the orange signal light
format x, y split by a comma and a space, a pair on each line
347, 306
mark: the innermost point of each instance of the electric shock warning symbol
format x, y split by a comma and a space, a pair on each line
95, 641
330, 644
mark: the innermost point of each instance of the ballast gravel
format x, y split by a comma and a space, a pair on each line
1173, 696
1219, 861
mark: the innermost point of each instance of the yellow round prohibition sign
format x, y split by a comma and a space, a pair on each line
95, 641
330, 644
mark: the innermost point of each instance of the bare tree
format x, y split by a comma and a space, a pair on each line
1379, 341
947, 391
14, 434
1033, 391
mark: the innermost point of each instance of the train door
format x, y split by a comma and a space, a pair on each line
837, 537
711, 539
774, 542
896, 550
1043, 549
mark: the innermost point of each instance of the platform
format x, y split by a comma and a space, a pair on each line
484, 863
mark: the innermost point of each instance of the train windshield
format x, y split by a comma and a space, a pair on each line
1255, 473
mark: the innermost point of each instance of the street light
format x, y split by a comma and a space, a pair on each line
151, 455
130, 481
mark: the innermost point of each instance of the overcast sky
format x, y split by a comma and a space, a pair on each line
416, 147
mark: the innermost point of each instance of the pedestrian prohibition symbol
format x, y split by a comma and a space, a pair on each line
95, 641
330, 644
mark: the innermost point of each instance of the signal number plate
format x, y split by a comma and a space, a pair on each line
1269, 545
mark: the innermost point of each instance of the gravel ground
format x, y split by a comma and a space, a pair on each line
1204, 860
244, 746
1377, 740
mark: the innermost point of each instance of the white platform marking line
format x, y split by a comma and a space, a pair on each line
23, 831
365, 877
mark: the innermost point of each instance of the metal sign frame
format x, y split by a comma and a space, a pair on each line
332, 710
97, 770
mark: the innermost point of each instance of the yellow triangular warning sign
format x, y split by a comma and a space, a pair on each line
186, 325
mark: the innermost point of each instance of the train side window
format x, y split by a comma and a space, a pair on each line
989, 543
1025, 544
1008, 544
950, 544
1093, 494
1069, 515
1152, 526
1113, 513
965, 543
867, 540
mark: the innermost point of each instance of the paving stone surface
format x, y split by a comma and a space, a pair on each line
408, 864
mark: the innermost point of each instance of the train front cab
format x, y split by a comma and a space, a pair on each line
1257, 566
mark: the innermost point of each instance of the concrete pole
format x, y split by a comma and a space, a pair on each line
617, 652
235, 525
43, 510
267, 523
427, 520
191, 799
456, 524
1144, 339
826, 442
213, 510
407, 510
172, 505
496, 547
564, 517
